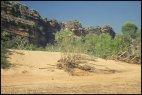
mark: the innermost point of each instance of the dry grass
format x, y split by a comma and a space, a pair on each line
73, 62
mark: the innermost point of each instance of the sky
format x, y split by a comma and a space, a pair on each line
90, 13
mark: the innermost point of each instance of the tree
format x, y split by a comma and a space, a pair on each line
64, 39
133, 37
129, 29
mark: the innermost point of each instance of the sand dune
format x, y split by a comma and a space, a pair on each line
36, 72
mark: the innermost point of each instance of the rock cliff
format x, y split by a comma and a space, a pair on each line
20, 20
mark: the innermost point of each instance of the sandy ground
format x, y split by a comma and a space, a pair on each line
36, 72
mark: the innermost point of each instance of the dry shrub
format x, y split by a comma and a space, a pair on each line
71, 63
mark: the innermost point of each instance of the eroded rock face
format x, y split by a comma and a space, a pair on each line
76, 27
100, 30
20, 20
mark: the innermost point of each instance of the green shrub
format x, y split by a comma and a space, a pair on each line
4, 63
129, 29
98, 45
52, 48
31, 47
64, 40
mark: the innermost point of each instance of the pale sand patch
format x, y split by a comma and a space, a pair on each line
36, 72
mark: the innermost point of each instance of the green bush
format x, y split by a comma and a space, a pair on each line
16, 41
29, 46
4, 63
129, 29
52, 48
64, 40
98, 45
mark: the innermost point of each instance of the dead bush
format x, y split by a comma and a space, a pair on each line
71, 62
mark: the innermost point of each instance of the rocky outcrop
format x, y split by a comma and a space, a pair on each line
108, 29
76, 27
100, 30
20, 20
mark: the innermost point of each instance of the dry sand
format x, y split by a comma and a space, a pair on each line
36, 72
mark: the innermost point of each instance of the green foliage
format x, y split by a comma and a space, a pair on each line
119, 44
98, 45
52, 48
4, 63
65, 40
129, 29
29, 46
17, 42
